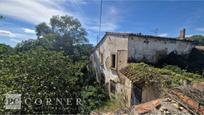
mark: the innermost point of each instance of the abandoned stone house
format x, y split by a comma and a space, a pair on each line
116, 50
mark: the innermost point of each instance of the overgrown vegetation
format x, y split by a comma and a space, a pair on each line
192, 62
198, 39
112, 105
169, 76
5, 50
53, 66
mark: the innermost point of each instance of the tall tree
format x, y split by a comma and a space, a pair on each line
69, 28
52, 66
66, 32
42, 29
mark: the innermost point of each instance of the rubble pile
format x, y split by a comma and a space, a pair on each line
183, 100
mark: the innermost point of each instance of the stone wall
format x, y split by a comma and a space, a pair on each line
151, 49
151, 92
112, 45
131, 48
126, 89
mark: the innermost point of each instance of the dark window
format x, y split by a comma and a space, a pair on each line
113, 60
112, 86
102, 58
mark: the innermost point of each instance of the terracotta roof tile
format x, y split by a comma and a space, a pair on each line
190, 97
146, 107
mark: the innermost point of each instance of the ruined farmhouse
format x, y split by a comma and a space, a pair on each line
116, 51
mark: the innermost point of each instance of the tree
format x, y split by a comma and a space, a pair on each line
53, 65
65, 34
71, 33
39, 74
26, 45
42, 29
65, 26
199, 39
82, 51
47, 42
5, 50
69, 28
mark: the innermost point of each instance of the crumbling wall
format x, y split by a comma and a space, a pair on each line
151, 49
111, 45
122, 59
151, 92
126, 89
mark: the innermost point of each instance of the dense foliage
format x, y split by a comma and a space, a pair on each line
192, 62
53, 66
65, 34
40, 73
169, 76
198, 39
6, 50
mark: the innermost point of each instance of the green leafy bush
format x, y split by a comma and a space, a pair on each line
45, 74
169, 76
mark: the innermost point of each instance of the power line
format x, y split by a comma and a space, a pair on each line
100, 16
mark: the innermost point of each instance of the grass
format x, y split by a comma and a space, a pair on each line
112, 105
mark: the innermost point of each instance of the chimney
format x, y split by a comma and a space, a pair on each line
182, 34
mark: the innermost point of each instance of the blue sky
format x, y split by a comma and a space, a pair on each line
167, 17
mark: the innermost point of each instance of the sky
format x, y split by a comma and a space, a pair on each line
161, 18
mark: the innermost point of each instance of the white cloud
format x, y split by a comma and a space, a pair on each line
7, 33
16, 37
200, 29
33, 11
163, 35
37, 11
30, 31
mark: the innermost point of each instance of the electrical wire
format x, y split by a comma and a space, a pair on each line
100, 17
